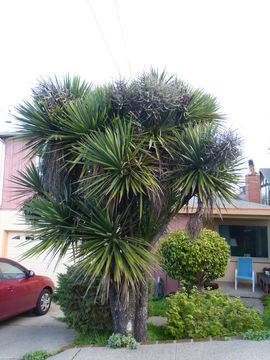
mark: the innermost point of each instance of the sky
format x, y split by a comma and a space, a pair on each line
221, 46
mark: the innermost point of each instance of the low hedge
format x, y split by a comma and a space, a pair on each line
82, 311
210, 313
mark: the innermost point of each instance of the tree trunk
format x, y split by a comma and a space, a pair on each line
123, 311
194, 225
141, 313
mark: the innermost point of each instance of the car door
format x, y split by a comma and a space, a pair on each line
17, 292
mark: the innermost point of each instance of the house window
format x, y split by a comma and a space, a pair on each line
246, 240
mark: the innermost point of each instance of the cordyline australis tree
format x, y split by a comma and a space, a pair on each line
118, 162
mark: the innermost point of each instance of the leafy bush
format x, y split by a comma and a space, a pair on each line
118, 341
257, 335
197, 261
81, 310
210, 313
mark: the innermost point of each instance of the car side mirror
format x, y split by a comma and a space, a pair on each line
30, 273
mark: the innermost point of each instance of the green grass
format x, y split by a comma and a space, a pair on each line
266, 313
91, 339
39, 355
157, 333
157, 307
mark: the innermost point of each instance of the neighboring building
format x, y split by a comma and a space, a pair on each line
13, 230
262, 181
245, 226
265, 185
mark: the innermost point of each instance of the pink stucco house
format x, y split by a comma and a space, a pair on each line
13, 230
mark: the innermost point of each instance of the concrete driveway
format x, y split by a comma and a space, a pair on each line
28, 332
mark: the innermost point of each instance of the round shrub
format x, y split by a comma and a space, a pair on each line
82, 310
209, 313
194, 261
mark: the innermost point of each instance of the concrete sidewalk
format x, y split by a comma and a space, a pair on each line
211, 350
28, 332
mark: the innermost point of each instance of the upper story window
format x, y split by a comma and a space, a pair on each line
246, 240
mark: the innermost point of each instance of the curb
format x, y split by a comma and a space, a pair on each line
160, 342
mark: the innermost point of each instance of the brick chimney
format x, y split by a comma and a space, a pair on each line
253, 184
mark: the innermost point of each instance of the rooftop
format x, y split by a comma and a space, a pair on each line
239, 208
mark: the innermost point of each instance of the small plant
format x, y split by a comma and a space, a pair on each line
119, 341
210, 313
194, 261
257, 335
37, 355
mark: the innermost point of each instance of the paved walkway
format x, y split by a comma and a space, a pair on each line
212, 350
28, 333
244, 290
256, 303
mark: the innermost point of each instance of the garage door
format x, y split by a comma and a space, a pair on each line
42, 264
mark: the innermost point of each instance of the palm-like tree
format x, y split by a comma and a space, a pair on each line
118, 163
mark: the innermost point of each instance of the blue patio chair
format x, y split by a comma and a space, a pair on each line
245, 271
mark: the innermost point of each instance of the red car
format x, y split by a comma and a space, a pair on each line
21, 290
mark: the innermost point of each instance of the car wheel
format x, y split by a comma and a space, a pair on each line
44, 302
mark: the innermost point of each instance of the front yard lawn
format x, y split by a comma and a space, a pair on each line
92, 339
158, 307
266, 313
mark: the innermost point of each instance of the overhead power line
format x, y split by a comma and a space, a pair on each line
103, 36
122, 35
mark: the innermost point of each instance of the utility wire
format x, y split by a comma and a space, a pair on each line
103, 36
123, 37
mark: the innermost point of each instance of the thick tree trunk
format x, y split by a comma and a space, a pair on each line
194, 225
141, 313
123, 311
